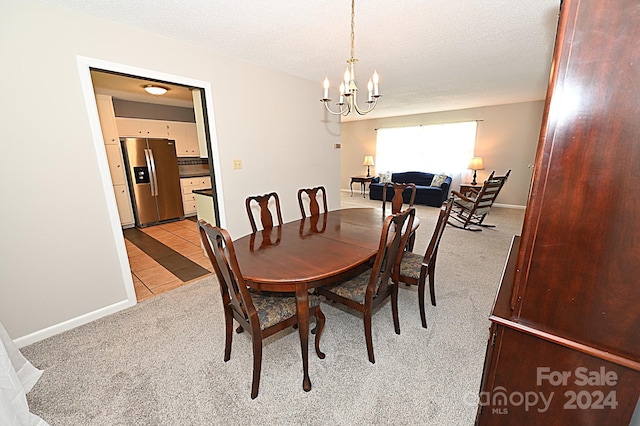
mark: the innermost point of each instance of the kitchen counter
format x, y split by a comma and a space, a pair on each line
205, 208
208, 192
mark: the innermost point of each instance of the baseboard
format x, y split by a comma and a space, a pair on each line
72, 323
510, 206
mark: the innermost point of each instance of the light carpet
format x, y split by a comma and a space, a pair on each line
161, 361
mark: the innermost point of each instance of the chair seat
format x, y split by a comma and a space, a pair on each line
273, 308
469, 205
411, 265
355, 288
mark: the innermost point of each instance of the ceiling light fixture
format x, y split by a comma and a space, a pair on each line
348, 88
155, 90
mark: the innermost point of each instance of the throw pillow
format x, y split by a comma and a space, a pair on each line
438, 180
385, 177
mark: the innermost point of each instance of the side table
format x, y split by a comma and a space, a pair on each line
363, 183
466, 187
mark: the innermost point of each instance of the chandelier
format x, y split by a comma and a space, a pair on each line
348, 88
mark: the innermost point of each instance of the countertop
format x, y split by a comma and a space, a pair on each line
208, 192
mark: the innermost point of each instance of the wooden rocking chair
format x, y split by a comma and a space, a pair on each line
471, 208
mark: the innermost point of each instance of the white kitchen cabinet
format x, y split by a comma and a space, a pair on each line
134, 127
107, 119
184, 134
124, 205
186, 138
187, 185
192, 144
116, 165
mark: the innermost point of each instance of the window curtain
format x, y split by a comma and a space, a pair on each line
435, 148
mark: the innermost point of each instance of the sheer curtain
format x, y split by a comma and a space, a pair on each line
435, 148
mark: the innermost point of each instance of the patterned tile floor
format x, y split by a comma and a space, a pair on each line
172, 257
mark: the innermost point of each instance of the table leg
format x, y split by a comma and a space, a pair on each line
351, 187
302, 304
363, 187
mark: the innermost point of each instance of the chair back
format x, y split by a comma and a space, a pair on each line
266, 218
441, 224
310, 195
393, 239
397, 199
488, 193
235, 294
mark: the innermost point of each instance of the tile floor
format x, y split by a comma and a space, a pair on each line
149, 276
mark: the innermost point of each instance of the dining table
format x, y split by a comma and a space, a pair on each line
314, 251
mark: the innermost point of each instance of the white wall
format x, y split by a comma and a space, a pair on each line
59, 259
507, 138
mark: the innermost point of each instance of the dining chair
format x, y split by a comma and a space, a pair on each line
266, 218
261, 314
310, 195
374, 285
397, 202
415, 268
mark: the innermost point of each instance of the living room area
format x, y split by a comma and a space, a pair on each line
506, 139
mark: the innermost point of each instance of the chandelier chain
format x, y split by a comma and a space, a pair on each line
353, 28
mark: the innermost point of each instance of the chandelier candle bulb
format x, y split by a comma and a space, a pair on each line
326, 88
376, 79
346, 82
370, 87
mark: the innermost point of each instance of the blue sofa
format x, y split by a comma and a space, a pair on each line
425, 194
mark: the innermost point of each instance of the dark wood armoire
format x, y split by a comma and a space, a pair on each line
564, 346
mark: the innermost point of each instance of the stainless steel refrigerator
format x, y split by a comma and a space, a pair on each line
152, 168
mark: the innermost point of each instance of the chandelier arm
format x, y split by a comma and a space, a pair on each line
372, 105
344, 110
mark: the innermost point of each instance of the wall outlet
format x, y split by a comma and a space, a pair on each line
336, 146
237, 164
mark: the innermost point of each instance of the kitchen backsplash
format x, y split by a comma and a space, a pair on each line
193, 166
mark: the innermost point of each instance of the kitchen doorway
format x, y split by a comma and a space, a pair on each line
86, 65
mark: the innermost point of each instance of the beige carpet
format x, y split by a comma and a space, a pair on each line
161, 361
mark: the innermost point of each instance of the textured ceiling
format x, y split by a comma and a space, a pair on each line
431, 55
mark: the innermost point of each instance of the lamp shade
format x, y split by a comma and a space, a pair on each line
368, 160
476, 163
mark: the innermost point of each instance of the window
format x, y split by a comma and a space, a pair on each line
437, 148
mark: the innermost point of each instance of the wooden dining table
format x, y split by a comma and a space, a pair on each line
307, 253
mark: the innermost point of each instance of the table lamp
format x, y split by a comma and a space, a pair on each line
475, 164
368, 161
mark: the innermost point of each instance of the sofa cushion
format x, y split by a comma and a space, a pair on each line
384, 177
438, 180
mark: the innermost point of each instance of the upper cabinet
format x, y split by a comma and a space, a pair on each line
184, 134
107, 119
134, 127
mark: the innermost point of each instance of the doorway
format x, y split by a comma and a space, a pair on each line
85, 66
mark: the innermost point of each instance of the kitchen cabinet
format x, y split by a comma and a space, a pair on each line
187, 185
116, 165
134, 127
112, 148
107, 119
564, 346
184, 134
186, 138
124, 205
192, 145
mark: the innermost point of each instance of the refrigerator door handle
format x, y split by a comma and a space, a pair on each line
154, 176
151, 167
